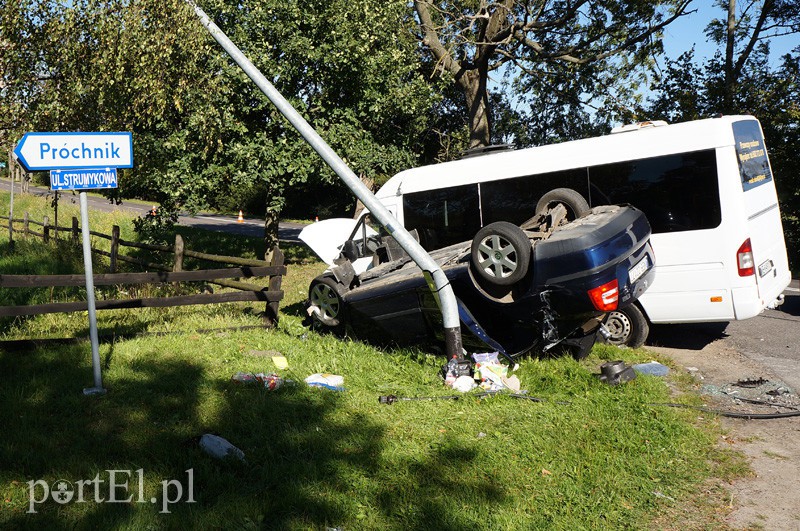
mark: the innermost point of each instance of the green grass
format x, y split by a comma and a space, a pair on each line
605, 460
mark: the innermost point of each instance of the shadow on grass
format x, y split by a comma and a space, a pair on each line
313, 459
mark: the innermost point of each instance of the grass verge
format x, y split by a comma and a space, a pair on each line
604, 459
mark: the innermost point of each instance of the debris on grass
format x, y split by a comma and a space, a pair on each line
333, 382
652, 368
269, 381
220, 448
616, 372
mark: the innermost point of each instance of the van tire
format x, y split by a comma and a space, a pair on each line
325, 295
628, 327
501, 253
576, 205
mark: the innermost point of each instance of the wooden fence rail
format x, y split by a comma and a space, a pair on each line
247, 268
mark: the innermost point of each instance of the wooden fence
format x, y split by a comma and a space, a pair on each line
245, 268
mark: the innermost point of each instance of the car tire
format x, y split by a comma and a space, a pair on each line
628, 327
501, 253
325, 295
574, 202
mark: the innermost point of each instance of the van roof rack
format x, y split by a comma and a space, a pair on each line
638, 125
485, 150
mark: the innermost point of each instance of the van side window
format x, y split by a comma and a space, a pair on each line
676, 192
514, 200
751, 154
443, 217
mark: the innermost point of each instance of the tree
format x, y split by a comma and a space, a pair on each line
747, 26
537, 40
204, 136
746, 82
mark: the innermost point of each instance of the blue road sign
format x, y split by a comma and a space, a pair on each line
62, 151
84, 179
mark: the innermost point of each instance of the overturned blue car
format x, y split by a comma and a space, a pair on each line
544, 286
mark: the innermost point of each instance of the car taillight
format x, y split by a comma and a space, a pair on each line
744, 259
605, 297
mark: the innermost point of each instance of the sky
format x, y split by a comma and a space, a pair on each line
686, 31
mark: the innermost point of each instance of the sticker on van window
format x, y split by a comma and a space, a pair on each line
752, 154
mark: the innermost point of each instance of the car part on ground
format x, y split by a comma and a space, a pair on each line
627, 327
616, 372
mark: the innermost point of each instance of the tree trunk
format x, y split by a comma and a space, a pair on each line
473, 84
271, 224
369, 182
730, 39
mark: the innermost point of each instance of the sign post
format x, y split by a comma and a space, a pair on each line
80, 161
87, 266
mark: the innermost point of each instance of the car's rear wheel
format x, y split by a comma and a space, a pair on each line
574, 202
325, 297
628, 327
501, 253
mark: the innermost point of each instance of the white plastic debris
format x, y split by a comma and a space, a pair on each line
220, 448
334, 382
464, 384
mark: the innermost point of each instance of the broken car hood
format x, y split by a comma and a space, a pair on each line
326, 237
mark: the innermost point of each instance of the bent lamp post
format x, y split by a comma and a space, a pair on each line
441, 287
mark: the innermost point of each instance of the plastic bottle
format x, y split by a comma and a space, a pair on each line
451, 371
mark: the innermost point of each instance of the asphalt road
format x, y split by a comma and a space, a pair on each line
287, 232
771, 339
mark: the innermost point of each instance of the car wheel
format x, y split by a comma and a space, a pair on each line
501, 253
627, 327
574, 202
325, 296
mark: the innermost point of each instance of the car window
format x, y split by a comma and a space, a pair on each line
676, 192
514, 200
443, 217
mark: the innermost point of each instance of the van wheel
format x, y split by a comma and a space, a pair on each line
574, 202
325, 296
501, 253
628, 327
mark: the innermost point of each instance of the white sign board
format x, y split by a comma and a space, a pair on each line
62, 151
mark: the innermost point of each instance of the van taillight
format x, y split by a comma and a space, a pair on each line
605, 297
744, 259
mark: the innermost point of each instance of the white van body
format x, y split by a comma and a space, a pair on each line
706, 187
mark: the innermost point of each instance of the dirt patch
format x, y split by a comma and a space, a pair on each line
768, 499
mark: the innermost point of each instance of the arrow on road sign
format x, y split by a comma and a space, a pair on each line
62, 151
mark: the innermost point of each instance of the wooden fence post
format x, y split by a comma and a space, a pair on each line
178, 265
179, 247
46, 229
75, 231
271, 311
26, 227
112, 266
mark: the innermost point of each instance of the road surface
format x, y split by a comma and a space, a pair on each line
287, 232
771, 340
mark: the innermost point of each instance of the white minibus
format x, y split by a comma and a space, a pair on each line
706, 187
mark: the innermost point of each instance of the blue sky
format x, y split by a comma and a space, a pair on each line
686, 31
